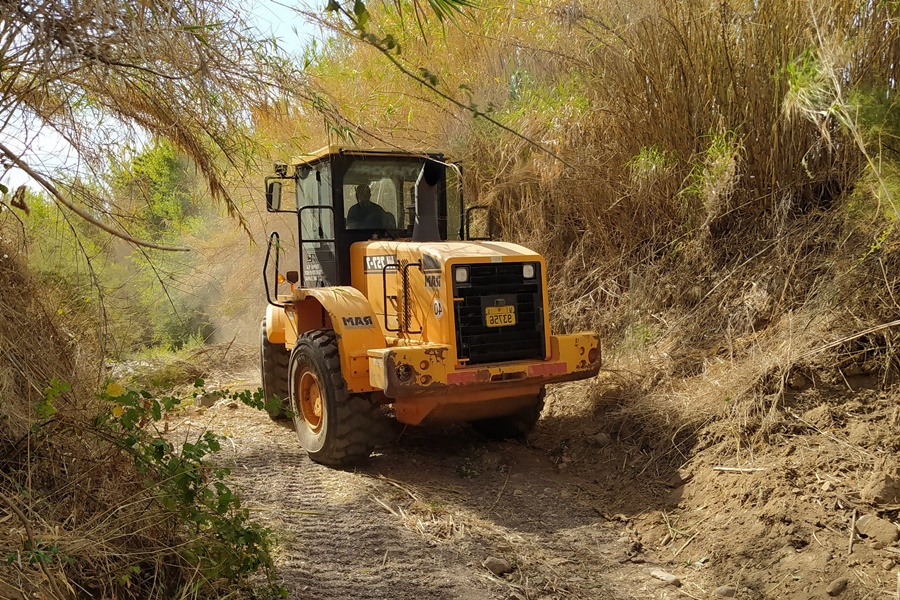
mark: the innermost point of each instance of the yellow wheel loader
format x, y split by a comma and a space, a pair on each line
398, 306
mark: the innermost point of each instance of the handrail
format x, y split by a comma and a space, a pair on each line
277, 239
406, 301
384, 298
402, 326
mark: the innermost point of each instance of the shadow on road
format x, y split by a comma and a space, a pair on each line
571, 472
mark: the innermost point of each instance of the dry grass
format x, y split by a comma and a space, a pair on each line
714, 219
78, 519
219, 363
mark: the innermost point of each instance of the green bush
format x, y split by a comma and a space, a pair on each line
223, 542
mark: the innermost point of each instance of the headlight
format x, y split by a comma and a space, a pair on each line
528, 271
461, 274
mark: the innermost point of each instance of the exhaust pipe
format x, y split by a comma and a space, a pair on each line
426, 225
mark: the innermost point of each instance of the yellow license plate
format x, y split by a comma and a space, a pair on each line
499, 316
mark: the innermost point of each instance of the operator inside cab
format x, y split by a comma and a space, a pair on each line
366, 214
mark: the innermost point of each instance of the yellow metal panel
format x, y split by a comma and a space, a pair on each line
335, 149
430, 302
314, 156
376, 368
577, 350
276, 322
418, 370
357, 329
422, 366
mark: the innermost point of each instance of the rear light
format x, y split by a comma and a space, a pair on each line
593, 355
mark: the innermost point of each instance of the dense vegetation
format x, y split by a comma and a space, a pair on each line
714, 185
145, 98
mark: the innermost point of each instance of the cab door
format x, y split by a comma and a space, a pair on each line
315, 206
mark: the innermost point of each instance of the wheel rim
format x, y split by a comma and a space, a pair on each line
310, 400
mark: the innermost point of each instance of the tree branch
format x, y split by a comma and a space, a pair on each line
474, 111
361, 36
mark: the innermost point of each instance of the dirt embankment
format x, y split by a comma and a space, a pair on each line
811, 512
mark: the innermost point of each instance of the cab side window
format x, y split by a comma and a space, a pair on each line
314, 201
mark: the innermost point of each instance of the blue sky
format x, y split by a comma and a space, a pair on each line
283, 23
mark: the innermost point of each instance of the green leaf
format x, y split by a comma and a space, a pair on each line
428, 76
447, 8
362, 14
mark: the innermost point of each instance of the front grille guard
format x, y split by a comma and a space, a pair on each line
479, 344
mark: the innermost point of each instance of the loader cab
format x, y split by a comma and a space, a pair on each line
343, 196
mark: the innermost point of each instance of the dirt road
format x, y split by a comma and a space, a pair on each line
421, 519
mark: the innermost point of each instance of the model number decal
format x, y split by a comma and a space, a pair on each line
379, 262
432, 281
357, 322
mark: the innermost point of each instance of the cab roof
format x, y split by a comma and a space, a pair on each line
335, 150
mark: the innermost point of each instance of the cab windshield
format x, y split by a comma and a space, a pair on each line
379, 193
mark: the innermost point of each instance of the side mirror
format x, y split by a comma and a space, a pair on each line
273, 195
481, 228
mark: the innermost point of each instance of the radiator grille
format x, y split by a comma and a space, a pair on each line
493, 283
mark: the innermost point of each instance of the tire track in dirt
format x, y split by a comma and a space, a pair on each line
418, 520
335, 541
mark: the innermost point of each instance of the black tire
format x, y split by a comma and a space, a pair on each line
273, 370
335, 427
513, 427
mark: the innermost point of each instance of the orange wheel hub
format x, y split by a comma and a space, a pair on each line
310, 400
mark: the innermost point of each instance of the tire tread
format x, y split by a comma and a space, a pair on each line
274, 374
358, 422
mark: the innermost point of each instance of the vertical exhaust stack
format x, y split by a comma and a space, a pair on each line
426, 227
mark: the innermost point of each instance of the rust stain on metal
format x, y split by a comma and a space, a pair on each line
436, 354
394, 383
460, 378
